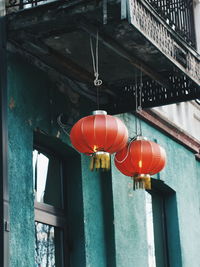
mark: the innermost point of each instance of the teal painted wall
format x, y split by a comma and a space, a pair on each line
108, 221
182, 174
98, 217
34, 105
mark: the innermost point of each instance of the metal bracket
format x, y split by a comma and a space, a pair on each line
7, 226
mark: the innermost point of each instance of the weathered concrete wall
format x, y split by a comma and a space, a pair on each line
98, 217
182, 175
34, 105
21, 99
108, 218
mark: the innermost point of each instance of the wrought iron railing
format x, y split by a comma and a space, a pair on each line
154, 95
179, 15
164, 38
16, 5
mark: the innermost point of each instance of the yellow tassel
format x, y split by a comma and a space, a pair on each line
142, 181
92, 164
147, 183
107, 162
103, 162
100, 160
97, 160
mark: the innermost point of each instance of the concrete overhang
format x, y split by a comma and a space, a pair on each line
134, 44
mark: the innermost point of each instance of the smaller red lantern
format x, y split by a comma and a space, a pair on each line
99, 135
140, 159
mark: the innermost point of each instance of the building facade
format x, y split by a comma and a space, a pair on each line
56, 212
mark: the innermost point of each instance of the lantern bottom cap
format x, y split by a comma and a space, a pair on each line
141, 176
100, 160
101, 153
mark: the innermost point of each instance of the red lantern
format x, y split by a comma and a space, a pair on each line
99, 135
140, 159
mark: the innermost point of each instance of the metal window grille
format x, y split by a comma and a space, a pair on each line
179, 15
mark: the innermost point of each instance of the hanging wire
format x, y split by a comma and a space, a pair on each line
63, 126
138, 128
140, 93
98, 98
95, 62
138, 103
93, 59
98, 81
129, 145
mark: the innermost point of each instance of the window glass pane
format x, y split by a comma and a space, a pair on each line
47, 178
150, 231
48, 246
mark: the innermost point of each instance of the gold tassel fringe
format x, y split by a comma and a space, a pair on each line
142, 181
100, 160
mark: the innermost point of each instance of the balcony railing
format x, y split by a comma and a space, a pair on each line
161, 35
179, 15
142, 40
16, 5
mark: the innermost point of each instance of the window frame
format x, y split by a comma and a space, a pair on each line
163, 192
160, 229
48, 151
49, 214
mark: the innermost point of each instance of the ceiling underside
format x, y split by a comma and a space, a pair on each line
56, 38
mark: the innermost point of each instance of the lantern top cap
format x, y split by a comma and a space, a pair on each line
99, 112
140, 137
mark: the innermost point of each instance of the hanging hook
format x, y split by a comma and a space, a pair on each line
62, 125
95, 61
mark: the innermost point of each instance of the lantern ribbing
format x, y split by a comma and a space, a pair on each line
99, 133
140, 159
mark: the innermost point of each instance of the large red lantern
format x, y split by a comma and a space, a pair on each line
99, 135
140, 159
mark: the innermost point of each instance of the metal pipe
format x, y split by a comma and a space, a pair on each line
4, 194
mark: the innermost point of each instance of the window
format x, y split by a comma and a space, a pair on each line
50, 209
47, 173
162, 226
150, 231
47, 245
156, 230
